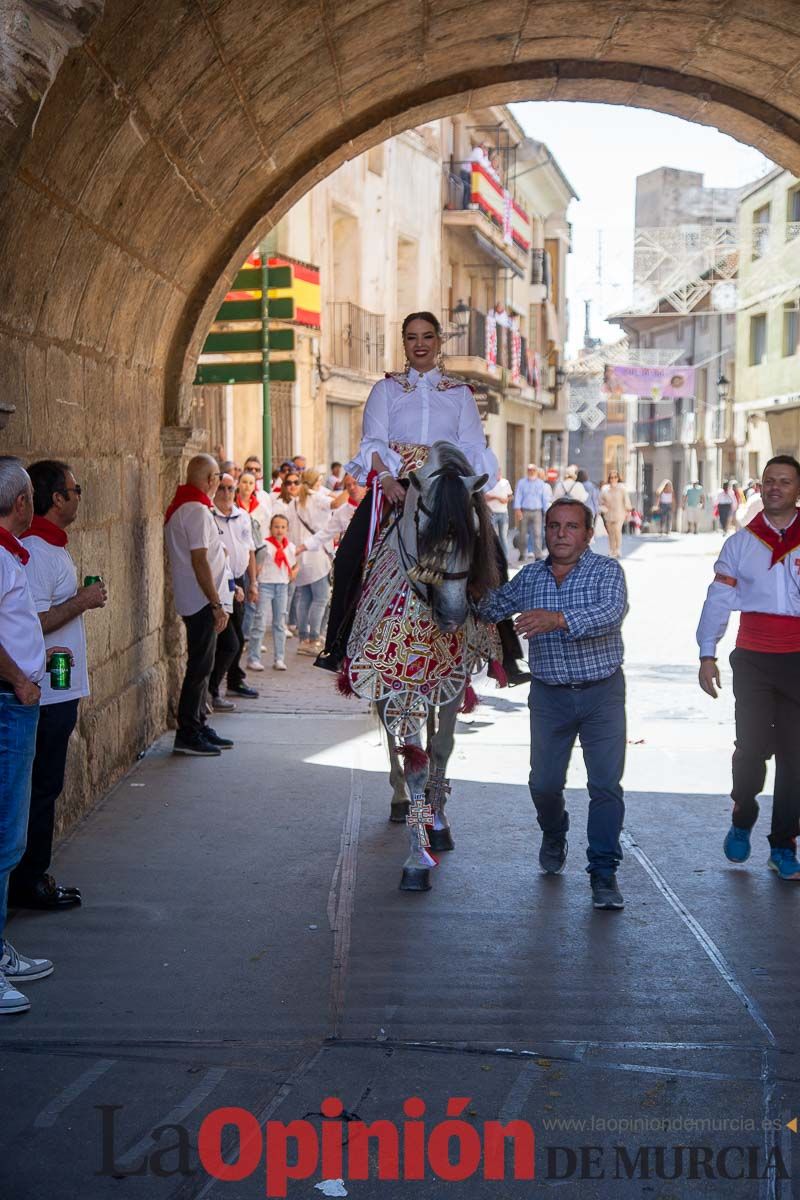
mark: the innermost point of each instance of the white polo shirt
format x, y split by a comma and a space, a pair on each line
191, 527
53, 579
20, 629
236, 531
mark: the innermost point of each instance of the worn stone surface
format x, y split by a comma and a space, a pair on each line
146, 143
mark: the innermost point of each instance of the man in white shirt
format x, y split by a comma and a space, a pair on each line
60, 603
758, 574
22, 668
236, 531
202, 585
497, 499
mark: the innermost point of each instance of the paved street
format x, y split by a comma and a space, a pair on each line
244, 943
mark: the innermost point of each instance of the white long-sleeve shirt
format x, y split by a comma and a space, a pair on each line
744, 581
419, 410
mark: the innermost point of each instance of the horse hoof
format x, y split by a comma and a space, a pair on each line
398, 813
441, 839
415, 879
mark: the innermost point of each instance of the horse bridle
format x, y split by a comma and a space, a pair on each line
409, 562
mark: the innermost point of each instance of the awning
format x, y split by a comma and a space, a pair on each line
503, 259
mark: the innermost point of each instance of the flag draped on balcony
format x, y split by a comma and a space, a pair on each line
491, 338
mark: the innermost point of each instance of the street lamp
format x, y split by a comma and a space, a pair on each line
460, 315
561, 378
723, 389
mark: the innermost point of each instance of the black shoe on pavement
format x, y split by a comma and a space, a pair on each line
328, 662
45, 894
553, 853
605, 893
515, 674
213, 739
194, 744
241, 689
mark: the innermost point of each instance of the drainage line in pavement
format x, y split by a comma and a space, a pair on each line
575, 1060
703, 939
341, 899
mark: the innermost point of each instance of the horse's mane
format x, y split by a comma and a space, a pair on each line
451, 518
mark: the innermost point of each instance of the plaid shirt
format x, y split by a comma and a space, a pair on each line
594, 601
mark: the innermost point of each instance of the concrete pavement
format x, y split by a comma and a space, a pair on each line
244, 943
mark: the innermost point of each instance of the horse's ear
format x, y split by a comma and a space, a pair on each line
474, 483
412, 475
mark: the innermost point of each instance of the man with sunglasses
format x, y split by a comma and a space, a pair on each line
60, 603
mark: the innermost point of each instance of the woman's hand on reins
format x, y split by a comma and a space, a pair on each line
394, 492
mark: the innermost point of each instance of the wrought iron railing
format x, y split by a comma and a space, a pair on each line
357, 337
720, 424
658, 429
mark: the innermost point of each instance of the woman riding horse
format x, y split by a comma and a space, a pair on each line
404, 415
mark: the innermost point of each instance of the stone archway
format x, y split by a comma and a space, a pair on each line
144, 144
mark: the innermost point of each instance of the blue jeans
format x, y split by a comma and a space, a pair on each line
595, 715
17, 747
270, 596
312, 600
500, 522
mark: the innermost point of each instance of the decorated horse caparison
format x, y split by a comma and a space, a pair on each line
416, 639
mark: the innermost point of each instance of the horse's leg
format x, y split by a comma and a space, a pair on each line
440, 748
399, 808
416, 868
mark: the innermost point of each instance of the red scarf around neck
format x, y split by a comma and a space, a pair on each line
251, 505
780, 546
186, 493
42, 528
280, 558
10, 543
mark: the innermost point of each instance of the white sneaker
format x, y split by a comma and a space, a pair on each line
11, 1001
279, 665
289, 632
255, 665
19, 966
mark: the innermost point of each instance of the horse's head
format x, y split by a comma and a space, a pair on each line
447, 531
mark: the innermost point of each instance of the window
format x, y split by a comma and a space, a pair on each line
614, 456
758, 339
375, 159
791, 328
793, 214
760, 230
340, 441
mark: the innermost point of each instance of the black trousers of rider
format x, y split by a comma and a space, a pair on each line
347, 568
767, 691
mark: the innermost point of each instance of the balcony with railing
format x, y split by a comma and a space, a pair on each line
475, 200
721, 424
654, 430
357, 338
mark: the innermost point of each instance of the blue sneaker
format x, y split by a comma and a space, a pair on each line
784, 863
737, 844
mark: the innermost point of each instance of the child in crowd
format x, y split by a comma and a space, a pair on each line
277, 569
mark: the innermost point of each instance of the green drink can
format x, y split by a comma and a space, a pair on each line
60, 671
88, 580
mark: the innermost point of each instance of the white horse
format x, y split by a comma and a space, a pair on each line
415, 640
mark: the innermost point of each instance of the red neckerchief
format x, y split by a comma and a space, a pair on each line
780, 546
251, 503
10, 543
354, 503
187, 493
42, 528
280, 558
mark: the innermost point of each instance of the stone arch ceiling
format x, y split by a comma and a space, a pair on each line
171, 129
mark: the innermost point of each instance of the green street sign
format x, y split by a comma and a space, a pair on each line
249, 279
233, 343
251, 372
250, 310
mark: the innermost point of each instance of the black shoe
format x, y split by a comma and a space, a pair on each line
515, 674
45, 894
241, 689
193, 743
605, 893
214, 740
553, 853
328, 662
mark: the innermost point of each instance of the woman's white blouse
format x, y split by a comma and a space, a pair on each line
419, 414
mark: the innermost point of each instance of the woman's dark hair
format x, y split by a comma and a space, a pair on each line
423, 316
47, 477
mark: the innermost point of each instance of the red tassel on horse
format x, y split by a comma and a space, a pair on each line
497, 672
343, 685
414, 757
471, 700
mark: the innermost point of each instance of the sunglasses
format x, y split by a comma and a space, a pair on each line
293, 482
66, 491
227, 487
